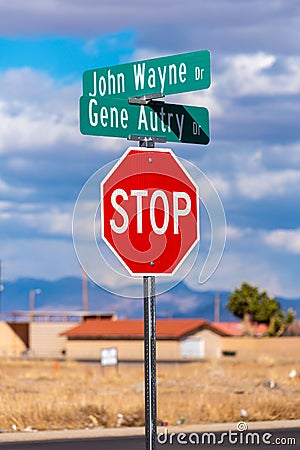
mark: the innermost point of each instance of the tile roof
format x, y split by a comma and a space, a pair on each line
134, 328
236, 328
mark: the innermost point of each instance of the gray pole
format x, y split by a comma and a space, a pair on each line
150, 361
150, 349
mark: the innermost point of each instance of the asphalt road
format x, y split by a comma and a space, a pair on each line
281, 438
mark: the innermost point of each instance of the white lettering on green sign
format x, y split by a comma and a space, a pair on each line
150, 121
116, 117
156, 78
111, 84
152, 78
112, 117
166, 75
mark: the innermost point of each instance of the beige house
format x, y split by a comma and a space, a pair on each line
84, 335
285, 348
45, 338
177, 339
39, 332
12, 340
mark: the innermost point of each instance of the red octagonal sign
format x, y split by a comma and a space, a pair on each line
149, 211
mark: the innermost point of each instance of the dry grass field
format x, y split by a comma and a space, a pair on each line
33, 395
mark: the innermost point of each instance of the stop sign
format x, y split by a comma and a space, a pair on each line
149, 211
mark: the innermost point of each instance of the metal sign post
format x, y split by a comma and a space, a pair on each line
150, 361
149, 347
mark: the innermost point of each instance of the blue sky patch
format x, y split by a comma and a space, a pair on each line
66, 57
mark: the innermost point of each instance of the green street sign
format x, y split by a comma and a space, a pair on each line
168, 75
104, 116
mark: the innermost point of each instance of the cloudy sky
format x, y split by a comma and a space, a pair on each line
253, 158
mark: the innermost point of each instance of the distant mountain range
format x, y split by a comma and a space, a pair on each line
66, 294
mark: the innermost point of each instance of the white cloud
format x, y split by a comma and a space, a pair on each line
251, 74
221, 185
7, 189
42, 117
142, 53
255, 186
36, 113
267, 259
286, 240
169, 23
256, 268
234, 233
283, 156
54, 221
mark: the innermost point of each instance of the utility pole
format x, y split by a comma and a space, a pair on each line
32, 294
85, 299
217, 307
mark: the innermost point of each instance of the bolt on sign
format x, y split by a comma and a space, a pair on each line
150, 212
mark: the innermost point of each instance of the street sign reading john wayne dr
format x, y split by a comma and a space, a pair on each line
167, 75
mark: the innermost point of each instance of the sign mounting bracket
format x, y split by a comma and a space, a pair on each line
144, 99
143, 139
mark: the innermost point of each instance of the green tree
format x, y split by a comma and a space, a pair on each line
253, 306
280, 321
241, 302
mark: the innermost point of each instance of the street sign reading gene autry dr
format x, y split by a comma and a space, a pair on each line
167, 75
101, 116
149, 211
